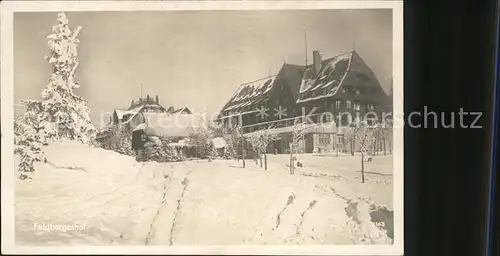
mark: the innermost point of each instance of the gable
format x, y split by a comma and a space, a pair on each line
292, 76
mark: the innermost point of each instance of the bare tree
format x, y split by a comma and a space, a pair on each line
299, 127
378, 132
388, 135
260, 141
364, 136
240, 141
350, 137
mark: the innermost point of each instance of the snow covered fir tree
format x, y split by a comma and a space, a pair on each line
61, 114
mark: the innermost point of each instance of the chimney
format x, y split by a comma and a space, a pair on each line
316, 62
157, 100
132, 103
147, 98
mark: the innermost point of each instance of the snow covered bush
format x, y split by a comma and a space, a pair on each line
29, 138
121, 141
233, 140
159, 150
61, 114
201, 139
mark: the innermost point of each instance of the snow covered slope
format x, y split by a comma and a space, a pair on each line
120, 201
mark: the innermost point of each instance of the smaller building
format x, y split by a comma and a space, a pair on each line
136, 114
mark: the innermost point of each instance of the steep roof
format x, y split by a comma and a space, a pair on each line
180, 110
336, 73
120, 113
249, 94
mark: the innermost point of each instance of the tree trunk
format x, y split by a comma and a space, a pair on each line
384, 145
243, 151
352, 147
390, 146
260, 159
362, 167
265, 162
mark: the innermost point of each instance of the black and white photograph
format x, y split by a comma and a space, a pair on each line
203, 127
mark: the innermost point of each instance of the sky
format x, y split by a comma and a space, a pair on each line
192, 58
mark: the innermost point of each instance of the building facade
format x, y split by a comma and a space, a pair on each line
329, 93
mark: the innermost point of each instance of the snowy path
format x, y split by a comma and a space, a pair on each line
205, 203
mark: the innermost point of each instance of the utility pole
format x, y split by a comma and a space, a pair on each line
140, 96
305, 43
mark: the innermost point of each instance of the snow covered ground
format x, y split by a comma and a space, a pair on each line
119, 201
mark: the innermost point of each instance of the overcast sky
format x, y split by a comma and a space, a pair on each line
194, 59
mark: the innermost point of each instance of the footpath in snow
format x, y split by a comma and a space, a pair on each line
123, 202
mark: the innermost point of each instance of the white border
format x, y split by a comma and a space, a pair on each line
7, 174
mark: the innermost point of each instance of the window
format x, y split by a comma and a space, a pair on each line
345, 120
337, 103
340, 139
326, 117
348, 104
324, 138
357, 107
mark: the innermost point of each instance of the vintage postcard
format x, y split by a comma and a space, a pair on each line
202, 127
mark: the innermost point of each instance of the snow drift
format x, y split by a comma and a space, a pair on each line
120, 201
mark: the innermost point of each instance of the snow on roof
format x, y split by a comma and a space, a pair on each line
180, 110
165, 124
140, 127
249, 94
120, 113
219, 142
331, 75
253, 89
